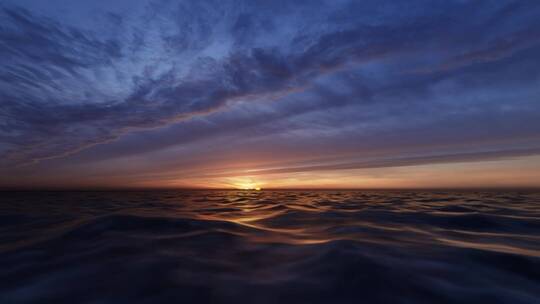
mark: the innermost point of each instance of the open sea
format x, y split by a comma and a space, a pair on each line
270, 247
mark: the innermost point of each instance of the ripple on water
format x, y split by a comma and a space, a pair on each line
270, 247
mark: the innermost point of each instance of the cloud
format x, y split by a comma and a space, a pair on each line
332, 68
391, 162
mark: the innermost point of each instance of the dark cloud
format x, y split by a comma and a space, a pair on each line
354, 75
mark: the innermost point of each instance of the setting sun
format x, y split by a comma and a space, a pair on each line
247, 184
248, 187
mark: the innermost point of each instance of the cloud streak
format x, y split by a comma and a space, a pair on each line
345, 75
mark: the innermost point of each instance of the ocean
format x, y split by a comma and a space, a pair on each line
270, 247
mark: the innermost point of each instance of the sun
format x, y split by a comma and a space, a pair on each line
247, 185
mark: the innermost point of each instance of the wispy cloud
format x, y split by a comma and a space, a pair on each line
344, 74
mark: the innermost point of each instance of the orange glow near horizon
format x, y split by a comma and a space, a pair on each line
515, 172
246, 184
502, 173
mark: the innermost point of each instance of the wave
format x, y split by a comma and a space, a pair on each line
270, 247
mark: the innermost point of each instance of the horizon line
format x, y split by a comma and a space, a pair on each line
127, 189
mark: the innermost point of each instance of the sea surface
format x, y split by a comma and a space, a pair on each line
270, 247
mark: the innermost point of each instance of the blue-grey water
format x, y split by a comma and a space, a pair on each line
270, 247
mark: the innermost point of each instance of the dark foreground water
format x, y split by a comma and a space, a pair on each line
269, 247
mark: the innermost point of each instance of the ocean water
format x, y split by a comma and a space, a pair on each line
270, 247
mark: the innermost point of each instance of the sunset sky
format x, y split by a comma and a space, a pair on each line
269, 94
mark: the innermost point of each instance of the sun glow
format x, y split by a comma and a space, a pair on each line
248, 184
248, 187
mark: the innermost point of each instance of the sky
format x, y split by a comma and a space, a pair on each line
269, 94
